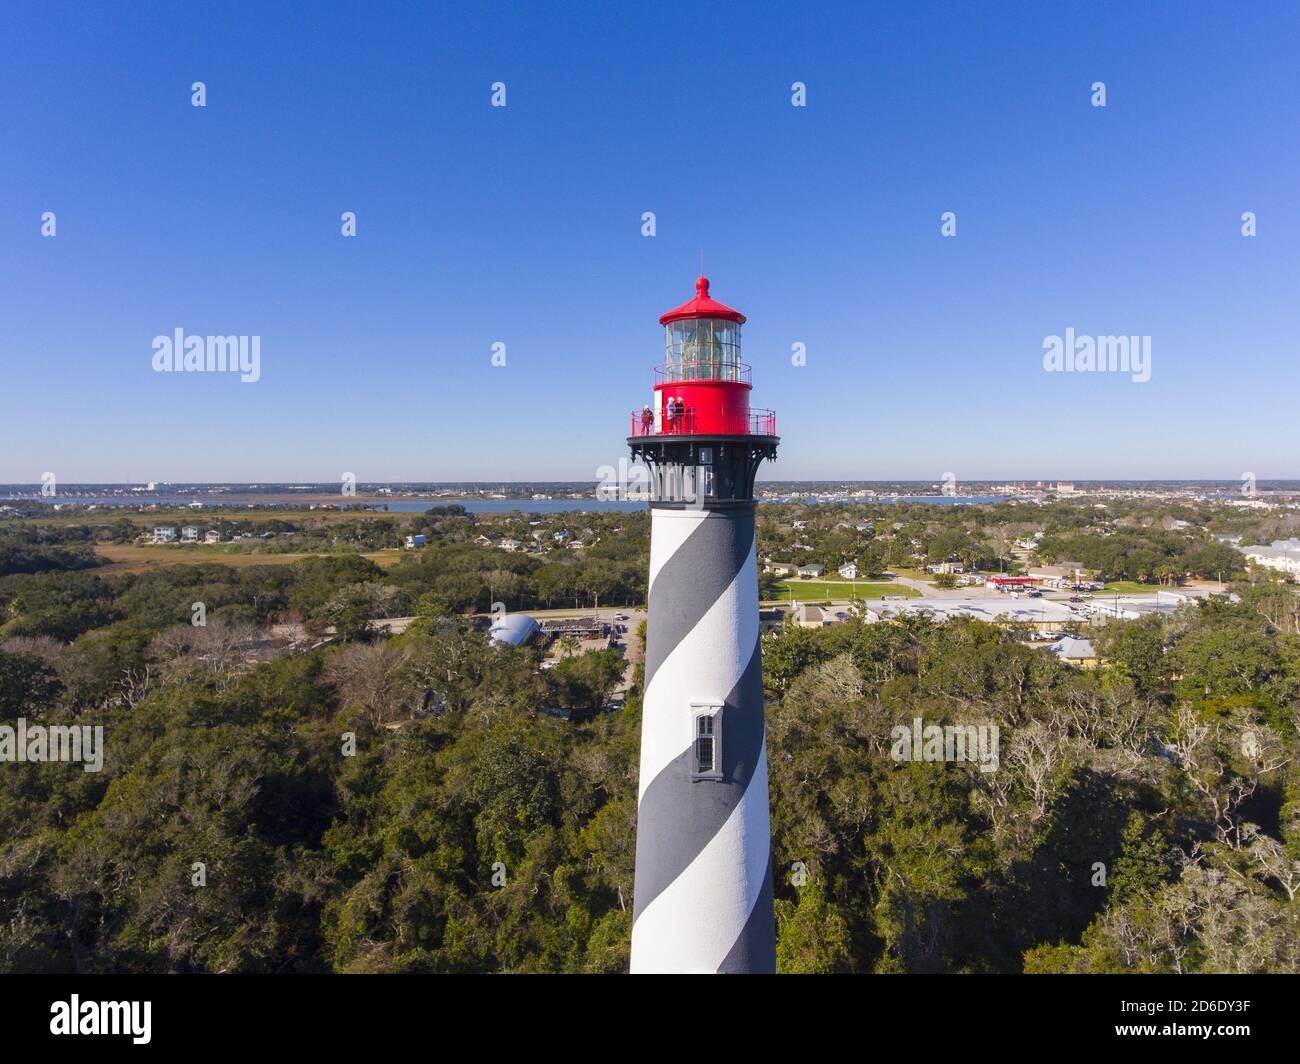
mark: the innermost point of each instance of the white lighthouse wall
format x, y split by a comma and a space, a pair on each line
703, 899
701, 665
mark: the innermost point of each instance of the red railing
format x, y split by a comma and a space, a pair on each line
682, 424
758, 423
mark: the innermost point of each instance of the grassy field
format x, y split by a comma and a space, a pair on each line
124, 558
1130, 587
820, 590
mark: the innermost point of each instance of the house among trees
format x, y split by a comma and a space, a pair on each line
819, 616
164, 534
807, 572
1077, 652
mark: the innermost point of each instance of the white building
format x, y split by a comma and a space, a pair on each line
164, 534
1043, 614
849, 570
1282, 555
514, 629
190, 534
1131, 607
212, 536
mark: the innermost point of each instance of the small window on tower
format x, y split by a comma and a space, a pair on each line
707, 746
704, 746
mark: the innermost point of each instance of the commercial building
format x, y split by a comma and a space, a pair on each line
1282, 555
1044, 615
579, 627
1131, 607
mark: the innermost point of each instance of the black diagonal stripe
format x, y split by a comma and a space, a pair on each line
679, 815
693, 579
754, 952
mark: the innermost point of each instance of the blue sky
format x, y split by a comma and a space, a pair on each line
522, 225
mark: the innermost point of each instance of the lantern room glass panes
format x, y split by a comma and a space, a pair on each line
703, 349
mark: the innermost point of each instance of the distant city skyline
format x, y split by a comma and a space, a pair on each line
521, 225
1078, 485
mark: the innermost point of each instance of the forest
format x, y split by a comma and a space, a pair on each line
404, 804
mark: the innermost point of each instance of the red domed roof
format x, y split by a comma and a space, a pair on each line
702, 307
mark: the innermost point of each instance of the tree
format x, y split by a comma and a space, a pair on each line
812, 938
584, 682
375, 679
27, 685
1138, 650
597, 580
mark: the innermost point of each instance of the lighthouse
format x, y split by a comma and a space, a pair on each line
702, 900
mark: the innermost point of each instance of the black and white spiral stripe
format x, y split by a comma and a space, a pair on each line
703, 894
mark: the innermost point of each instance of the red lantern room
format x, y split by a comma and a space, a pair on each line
700, 410
702, 388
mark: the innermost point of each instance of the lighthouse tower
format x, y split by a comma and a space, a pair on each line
703, 894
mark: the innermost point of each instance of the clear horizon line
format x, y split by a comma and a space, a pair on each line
1026, 481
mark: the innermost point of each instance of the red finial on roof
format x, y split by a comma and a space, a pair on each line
702, 306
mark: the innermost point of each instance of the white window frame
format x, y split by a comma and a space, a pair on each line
713, 712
